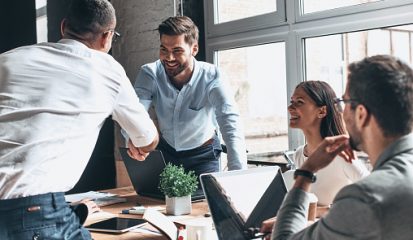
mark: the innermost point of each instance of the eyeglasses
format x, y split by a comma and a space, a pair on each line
340, 103
116, 35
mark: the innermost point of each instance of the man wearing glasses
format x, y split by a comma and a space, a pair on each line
378, 111
54, 98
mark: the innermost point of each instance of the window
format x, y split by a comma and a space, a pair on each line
316, 38
327, 57
41, 21
229, 10
232, 16
310, 6
257, 77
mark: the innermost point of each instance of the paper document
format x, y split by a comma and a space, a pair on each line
100, 198
161, 222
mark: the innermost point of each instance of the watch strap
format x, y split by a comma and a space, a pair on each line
305, 173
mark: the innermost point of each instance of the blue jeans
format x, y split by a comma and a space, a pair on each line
203, 159
45, 216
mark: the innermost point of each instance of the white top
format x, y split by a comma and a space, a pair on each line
54, 98
332, 178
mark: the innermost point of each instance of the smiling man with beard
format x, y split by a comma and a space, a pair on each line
189, 98
378, 111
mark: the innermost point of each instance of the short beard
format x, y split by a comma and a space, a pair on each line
176, 72
354, 145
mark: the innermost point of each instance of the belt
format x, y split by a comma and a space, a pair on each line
208, 142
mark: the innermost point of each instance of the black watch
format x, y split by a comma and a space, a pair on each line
305, 173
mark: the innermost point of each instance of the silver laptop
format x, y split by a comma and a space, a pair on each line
144, 175
241, 200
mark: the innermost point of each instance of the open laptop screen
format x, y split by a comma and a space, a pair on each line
144, 175
240, 200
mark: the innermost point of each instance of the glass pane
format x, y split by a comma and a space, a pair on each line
40, 4
257, 76
41, 21
327, 57
229, 10
310, 6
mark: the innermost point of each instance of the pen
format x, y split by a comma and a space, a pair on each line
133, 211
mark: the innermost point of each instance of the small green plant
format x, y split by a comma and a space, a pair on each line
175, 182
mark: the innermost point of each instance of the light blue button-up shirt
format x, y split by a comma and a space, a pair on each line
187, 118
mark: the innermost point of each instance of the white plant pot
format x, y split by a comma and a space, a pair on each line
178, 205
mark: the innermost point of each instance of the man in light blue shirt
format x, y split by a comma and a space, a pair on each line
189, 97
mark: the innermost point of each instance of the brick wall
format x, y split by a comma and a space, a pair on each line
139, 44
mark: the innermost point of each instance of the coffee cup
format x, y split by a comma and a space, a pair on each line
199, 231
312, 210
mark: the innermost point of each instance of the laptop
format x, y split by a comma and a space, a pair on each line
241, 200
144, 175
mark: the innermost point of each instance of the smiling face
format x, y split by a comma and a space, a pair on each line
176, 56
304, 113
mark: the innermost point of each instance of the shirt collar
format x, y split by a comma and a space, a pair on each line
194, 73
403, 144
72, 42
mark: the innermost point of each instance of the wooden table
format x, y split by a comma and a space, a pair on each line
198, 211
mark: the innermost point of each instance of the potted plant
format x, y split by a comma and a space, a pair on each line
177, 185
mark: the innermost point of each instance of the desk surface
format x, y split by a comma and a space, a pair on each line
198, 211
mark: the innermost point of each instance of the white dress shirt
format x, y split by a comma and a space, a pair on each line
54, 98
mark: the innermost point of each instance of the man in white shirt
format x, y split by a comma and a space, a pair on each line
54, 98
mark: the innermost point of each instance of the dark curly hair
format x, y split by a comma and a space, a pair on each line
180, 25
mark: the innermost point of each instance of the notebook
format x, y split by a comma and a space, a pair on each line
144, 175
241, 200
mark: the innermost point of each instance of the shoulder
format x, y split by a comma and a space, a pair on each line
354, 170
299, 157
207, 70
153, 68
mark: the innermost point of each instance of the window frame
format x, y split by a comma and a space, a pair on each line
240, 25
347, 10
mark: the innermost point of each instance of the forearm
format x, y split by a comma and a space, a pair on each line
237, 157
232, 133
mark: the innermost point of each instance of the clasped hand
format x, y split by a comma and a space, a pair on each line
136, 152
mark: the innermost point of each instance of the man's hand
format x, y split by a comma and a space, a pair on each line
140, 153
136, 152
328, 149
267, 226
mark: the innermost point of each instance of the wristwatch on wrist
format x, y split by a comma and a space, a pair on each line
305, 173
